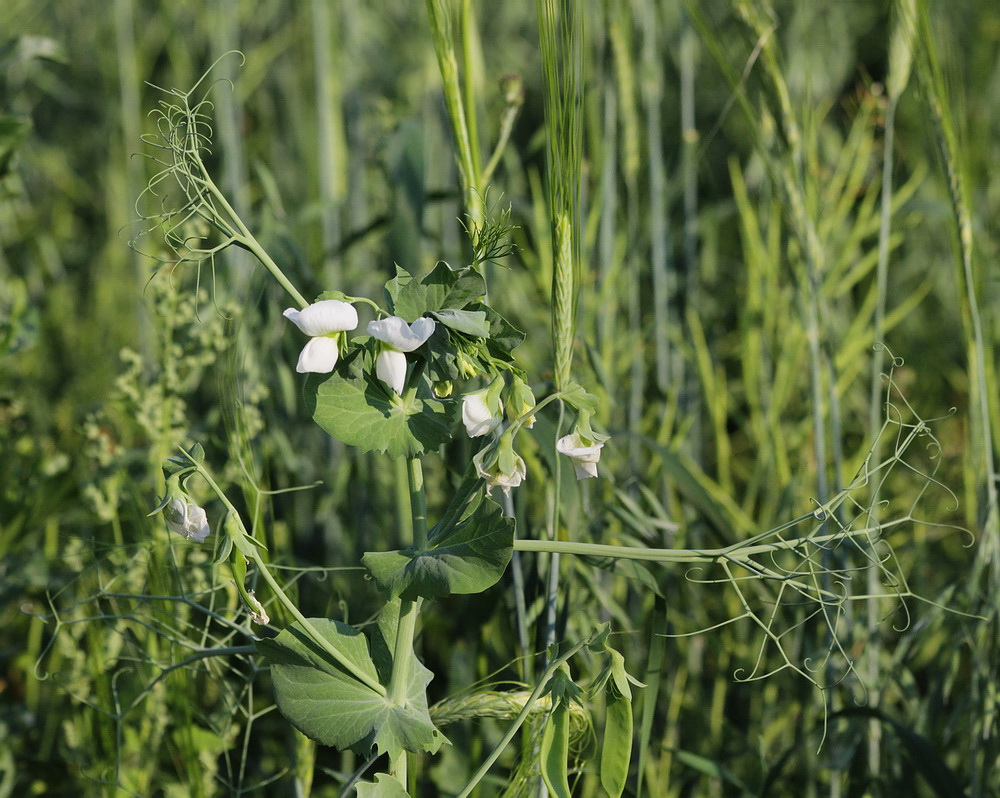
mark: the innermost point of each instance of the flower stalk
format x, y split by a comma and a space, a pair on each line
252, 554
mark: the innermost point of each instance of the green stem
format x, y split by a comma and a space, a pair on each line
418, 501
403, 651
247, 240
741, 554
406, 628
735, 553
552, 587
506, 128
286, 602
402, 660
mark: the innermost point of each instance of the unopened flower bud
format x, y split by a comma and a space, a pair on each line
520, 402
500, 465
187, 519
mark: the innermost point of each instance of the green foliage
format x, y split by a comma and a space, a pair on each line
385, 786
468, 550
750, 227
360, 411
442, 289
332, 707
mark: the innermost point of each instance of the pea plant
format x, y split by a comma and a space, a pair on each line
437, 363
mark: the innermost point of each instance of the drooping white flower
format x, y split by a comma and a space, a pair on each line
500, 465
325, 321
397, 338
187, 519
584, 452
482, 411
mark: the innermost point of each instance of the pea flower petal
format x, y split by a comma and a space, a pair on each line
390, 367
324, 321
399, 335
477, 416
584, 453
323, 318
318, 356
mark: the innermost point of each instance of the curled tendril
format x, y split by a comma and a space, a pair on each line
804, 574
180, 200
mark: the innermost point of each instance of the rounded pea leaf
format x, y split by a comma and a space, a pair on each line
467, 552
333, 707
360, 411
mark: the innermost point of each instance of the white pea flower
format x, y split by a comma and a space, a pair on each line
482, 411
397, 338
584, 452
187, 519
325, 321
501, 465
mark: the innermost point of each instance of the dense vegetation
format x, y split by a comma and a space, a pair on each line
785, 303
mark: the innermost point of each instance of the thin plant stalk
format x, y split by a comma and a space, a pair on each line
983, 389
539, 690
286, 602
128, 86
226, 32
981, 484
327, 141
687, 379
560, 25
409, 610
659, 227
901, 39
439, 13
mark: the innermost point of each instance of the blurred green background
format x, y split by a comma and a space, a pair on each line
733, 293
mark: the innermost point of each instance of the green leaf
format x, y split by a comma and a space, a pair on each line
329, 705
711, 769
470, 322
920, 754
385, 786
468, 551
441, 289
504, 336
441, 361
13, 131
707, 496
630, 569
360, 411
182, 463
